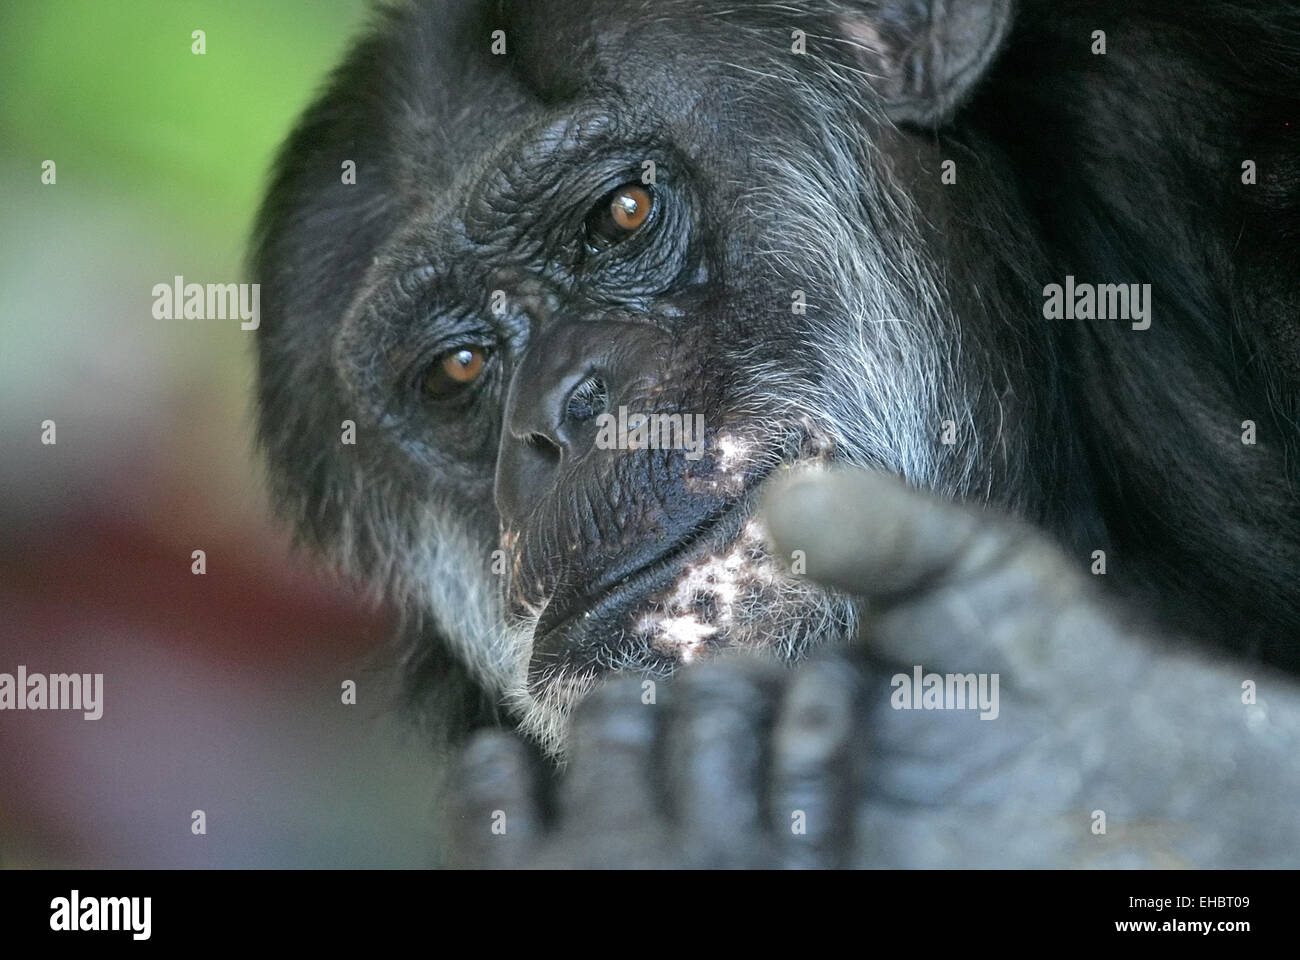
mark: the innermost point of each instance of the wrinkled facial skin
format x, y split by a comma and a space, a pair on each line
773, 295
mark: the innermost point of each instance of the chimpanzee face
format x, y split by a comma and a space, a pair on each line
595, 279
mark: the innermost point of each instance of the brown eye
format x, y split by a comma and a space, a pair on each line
619, 215
455, 370
630, 206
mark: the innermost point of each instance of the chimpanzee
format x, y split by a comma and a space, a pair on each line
830, 350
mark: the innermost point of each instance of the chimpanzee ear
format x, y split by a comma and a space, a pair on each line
926, 56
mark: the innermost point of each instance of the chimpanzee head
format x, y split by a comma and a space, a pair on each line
577, 278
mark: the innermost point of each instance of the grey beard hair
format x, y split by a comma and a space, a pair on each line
464, 599
465, 602
433, 568
545, 707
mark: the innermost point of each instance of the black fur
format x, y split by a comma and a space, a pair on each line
1130, 164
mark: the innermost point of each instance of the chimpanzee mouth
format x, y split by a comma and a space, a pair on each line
598, 628
589, 630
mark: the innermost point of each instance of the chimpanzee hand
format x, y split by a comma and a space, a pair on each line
1083, 741
711, 775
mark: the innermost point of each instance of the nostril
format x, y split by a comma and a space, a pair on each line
544, 445
589, 399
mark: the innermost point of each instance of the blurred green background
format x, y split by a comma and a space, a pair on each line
221, 690
160, 157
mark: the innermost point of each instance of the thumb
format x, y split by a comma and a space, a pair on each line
870, 534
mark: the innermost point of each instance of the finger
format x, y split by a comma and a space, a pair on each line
814, 765
949, 585
870, 534
609, 784
495, 816
715, 760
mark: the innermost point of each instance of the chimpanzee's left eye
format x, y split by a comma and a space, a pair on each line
454, 371
618, 216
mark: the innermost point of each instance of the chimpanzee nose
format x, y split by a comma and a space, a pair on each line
567, 378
